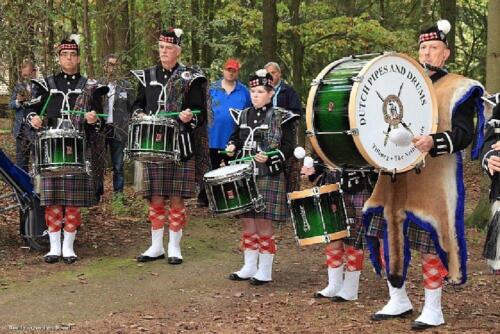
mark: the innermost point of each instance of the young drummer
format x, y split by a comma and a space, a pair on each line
344, 257
262, 128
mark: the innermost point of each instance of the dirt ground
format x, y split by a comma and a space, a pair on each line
106, 291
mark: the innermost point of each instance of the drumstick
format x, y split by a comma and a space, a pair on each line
45, 106
249, 158
77, 112
170, 114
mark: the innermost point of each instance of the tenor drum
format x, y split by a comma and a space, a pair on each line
60, 152
232, 190
364, 110
153, 139
318, 214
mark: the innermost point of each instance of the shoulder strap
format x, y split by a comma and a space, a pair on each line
152, 74
51, 82
81, 82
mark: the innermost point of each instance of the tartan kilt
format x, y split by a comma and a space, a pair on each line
68, 190
419, 239
273, 190
169, 179
354, 207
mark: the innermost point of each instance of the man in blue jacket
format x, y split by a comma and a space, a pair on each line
225, 93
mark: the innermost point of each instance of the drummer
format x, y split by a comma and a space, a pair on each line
170, 87
262, 128
63, 195
344, 257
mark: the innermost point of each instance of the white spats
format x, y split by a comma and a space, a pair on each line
250, 265
69, 240
55, 244
335, 280
399, 302
432, 314
350, 287
265, 270
156, 249
174, 244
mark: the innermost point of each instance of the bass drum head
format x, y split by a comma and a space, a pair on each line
392, 101
327, 112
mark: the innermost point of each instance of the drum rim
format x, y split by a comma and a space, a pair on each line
60, 133
324, 189
247, 166
321, 239
352, 110
310, 112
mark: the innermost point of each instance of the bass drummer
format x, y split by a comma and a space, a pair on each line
170, 87
63, 195
344, 257
262, 128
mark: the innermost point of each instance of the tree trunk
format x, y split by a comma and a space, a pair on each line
153, 32
297, 47
206, 51
195, 25
87, 38
449, 12
269, 30
121, 33
493, 47
49, 46
132, 32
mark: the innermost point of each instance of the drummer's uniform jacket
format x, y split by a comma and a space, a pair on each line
162, 90
462, 126
491, 138
265, 129
68, 190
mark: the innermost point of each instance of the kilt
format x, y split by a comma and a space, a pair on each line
169, 179
68, 190
354, 206
419, 239
273, 190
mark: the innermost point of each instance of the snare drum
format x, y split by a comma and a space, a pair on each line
364, 110
232, 190
60, 152
318, 215
153, 139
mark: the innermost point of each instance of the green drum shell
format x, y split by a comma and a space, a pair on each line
60, 151
313, 218
152, 139
234, 193
328, 111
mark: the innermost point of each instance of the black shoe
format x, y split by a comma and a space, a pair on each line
69, 259
52, 258
255, 281
174, 260
380, 317
145, 258
235, 277
318, 294
420, 326
338, 299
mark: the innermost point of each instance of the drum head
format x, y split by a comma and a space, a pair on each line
392, 101
227, 171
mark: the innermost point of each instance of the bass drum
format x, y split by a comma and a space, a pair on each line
363, 111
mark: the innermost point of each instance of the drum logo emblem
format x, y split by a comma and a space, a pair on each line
392, 109
158, 137
230, 194
331, 106
69, 150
